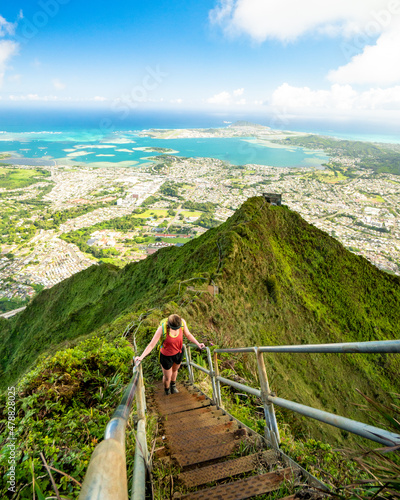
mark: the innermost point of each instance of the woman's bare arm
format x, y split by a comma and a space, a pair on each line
190, 337
151, 345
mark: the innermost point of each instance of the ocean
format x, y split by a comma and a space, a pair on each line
103, 137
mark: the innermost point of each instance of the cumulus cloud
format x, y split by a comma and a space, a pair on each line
8, 48
238, 92
221, 98
226, 98
377, 64
286, 20
7, 28
370, 31
338, 97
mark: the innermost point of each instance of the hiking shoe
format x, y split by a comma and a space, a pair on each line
167, 391
174, 389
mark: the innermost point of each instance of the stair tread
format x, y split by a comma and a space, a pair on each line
200, 440
222, 470
243, 488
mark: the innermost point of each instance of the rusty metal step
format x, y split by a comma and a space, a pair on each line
193, 414
189, 433
202, 440
174, 425
175, 402
244, 488
175, 399
185, 407
187, 417
201, 454
223, 470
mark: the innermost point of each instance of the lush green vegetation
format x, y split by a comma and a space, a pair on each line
171, 189
53, 220
379, 158
10, 304
14, 178
62, 408
281, 281
207, 220
207, 206
80, 237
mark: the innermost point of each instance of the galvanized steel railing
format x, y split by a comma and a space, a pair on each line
106, 477
269, 398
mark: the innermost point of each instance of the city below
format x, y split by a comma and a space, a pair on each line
61, 219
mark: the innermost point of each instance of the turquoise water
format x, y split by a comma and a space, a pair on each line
83, 147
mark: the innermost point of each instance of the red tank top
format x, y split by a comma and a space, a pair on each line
173, 345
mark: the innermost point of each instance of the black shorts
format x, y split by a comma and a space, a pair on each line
168, 361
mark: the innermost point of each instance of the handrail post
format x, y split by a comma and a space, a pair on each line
217, 383
212, 374
189, 362
141, 461
272, 431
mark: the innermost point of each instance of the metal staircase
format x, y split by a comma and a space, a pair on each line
203, 439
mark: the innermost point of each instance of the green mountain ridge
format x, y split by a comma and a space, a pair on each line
281, 281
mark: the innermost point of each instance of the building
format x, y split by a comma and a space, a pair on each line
273, 198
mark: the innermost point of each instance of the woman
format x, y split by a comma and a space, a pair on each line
170, 331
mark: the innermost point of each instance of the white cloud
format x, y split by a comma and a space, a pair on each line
342, 98
176, 101
58, 84
28, 97
226, 98
370, 31
7, 28
46, 98
377, 64
8, 48
221, 98
286, 20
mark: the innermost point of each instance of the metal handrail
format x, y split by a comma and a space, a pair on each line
269, 399
106, 477
381, 346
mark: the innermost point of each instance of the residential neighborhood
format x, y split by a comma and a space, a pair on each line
362, 211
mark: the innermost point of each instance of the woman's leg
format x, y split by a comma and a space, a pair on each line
175, 368
167, 374
174, 373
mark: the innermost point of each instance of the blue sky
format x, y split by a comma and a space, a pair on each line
334, 57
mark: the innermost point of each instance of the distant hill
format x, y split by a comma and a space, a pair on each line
281, 280
243, 123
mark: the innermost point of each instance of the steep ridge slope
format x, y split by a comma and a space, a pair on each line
280, 279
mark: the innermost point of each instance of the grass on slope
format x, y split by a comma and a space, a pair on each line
281, 281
